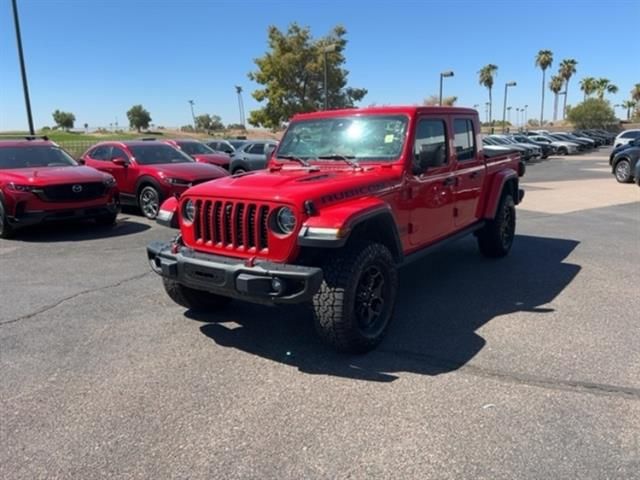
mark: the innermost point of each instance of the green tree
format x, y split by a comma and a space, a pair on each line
486, 77
555, 85
203, 122
629, 104
64, 120
544, 59
635, 92
604, 85
588, 86
292, 74
435, 100
592, 113
567, 69
139, 118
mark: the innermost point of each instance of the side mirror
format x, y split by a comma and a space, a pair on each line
430, 156
121, 162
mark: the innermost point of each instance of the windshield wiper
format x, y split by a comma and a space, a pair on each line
349, 159
301, 161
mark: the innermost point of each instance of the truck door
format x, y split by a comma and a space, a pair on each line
431, 189
469, 170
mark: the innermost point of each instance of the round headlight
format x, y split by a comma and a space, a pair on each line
285, 220
189, 211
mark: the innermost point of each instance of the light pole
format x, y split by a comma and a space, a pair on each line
525, 116
518, 110
325, 50
193, 116
448, 73
240, 104
486, 111
23, 70
509, 114
504, 107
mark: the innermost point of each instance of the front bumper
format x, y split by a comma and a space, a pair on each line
45, 216
262, 282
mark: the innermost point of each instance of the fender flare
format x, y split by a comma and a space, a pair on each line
319, 236
152, 181
496, 188
168, 213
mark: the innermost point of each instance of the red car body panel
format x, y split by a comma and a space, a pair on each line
425, 208
130, 177
38, 204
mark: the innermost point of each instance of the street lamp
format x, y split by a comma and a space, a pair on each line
193, 115
504, 107
448, 73
23, 70
327, 49
518, 110
525, 116
509, 114
240, 104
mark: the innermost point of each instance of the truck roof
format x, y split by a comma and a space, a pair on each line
386, 110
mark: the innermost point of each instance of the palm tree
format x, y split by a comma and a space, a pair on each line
629, 104
555, 85
635, 92
486, 78
588, 86
604, 85
567, 69
544, 59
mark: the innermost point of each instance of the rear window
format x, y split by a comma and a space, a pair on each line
35, 156
158, 154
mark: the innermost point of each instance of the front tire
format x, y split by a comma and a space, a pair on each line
496, 237
6, 231
194, 299
623, 171
149, 202
355, 304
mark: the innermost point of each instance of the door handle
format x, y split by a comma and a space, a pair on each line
474, 174
450, 181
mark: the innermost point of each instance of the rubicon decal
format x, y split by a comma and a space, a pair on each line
354, 192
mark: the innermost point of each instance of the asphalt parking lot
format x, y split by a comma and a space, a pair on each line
526, 367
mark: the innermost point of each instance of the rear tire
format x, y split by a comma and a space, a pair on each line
194, 299
6, 231
355, 304
496, 237
622, 171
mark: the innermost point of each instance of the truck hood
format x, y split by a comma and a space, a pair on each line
191, 171
294, 186
219, 159
43, 176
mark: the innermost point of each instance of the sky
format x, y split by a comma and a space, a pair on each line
97, 58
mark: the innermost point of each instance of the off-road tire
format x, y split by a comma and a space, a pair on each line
350, 295
622, 171
6, 231
192, 299
496, 237
107, 220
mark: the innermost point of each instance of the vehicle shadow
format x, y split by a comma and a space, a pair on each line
443, 300
75, 231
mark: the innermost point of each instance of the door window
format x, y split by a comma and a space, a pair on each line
257, 148
101, 153
431, 137
464, 139
119, 153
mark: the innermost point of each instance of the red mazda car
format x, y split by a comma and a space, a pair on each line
148, 172
201, 152
40, 182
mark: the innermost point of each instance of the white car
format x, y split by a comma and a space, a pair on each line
564, 148
625, 137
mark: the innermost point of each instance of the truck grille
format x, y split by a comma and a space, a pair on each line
230, 224
72, 192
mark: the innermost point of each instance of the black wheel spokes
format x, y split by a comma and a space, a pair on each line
370, 299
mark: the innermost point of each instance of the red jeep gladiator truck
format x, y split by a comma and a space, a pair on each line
347, 198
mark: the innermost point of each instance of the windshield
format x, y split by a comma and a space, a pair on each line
157, 154
500, 141
195, 148
34, 156
372, 137
237, 143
